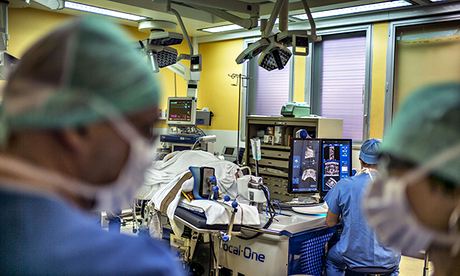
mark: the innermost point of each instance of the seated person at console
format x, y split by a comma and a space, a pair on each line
357, 246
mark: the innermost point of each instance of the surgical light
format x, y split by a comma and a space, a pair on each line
253, 50
161, 32
92, 9
165, 38
275, 56
164, 55
356, 9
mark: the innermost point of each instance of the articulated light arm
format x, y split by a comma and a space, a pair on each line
310, 20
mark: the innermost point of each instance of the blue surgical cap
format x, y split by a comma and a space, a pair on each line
370, 150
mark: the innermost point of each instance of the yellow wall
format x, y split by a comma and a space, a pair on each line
299, 78
379, 62
215, 88
425, 61
27, 25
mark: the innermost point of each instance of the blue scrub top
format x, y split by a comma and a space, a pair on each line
46, 236
358, 245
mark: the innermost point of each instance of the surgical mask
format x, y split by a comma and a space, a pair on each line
389, 213
108, 197
122, 191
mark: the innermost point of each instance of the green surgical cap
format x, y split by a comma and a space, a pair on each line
63, 76
428, 124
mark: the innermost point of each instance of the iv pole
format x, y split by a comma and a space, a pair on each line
239, 83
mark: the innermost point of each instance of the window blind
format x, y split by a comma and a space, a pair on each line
272, 90
343, 82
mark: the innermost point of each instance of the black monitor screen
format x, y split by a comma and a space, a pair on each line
336, 162
180, 110
229, 151
305, 166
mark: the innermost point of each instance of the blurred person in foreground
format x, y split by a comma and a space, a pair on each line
415, 205
357, 246
76, 136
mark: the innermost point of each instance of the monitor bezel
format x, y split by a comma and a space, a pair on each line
350, 167
183, 123
290, 168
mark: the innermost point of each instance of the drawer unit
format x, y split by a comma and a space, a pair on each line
275, 154
273, 163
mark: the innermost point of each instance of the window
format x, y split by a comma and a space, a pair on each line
339, 88
425, 54
269, 90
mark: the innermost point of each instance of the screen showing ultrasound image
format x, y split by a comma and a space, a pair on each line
305, 167
336, 162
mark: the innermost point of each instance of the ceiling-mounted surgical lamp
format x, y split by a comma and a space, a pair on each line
275, 56
159, 56
273, 48
253, 50
156, 47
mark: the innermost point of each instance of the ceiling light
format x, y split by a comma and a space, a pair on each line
102, 11
437, 0
221, 29
356, 9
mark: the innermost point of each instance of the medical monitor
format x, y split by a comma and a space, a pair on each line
336, 156
181, 111
304, 166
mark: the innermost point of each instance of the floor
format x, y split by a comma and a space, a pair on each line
411, 267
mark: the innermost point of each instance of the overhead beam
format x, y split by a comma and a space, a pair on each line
322, 23
162, 6
247, 23
235, 5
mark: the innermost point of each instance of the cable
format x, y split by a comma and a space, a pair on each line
269, 209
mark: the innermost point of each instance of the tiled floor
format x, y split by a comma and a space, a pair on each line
411, 267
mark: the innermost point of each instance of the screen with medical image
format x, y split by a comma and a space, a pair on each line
335, 163
305, 166
180, 110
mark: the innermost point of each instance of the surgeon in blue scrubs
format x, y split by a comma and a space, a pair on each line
357, 246
76, 138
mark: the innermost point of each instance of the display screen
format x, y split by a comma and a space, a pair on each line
229, 151
180, 110
336, 162
305, 166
